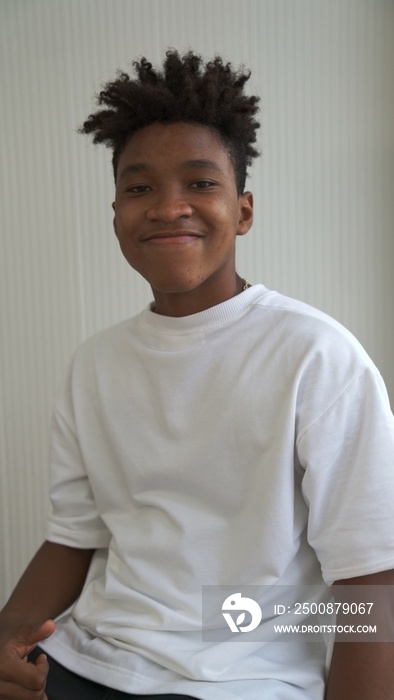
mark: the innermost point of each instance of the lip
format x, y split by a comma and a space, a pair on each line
177, 236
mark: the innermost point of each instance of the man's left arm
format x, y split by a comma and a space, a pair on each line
365, 670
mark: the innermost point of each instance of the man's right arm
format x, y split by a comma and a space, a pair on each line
51, 583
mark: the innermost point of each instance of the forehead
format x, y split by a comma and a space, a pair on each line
173, 145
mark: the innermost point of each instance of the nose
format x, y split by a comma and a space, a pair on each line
169, 205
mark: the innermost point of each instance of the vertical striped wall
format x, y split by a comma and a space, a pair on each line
323, 189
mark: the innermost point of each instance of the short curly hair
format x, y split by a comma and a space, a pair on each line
185, 90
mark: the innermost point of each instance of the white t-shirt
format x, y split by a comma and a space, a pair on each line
249, 444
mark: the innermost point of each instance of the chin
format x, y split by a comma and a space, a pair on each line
175, 285
174, 288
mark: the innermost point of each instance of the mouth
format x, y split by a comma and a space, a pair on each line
178, 236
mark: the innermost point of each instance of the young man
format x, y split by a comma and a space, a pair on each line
226, 437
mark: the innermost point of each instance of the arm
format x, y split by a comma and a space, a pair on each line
51, 583
363, 670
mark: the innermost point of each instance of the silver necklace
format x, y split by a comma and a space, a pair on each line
246, 285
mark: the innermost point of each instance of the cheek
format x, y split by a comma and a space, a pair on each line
124, 228
225, 219
222, 215
124, 225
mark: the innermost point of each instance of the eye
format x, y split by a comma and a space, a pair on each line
202, 184
138, 189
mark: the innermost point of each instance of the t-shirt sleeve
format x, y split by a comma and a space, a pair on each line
73, 518
348, 485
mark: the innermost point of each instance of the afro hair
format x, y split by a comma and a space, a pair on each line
186, 90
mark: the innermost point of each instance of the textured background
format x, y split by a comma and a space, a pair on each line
323, 189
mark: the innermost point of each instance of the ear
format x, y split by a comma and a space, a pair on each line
245, 213
114, 220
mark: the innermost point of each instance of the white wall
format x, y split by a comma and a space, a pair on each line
323, 189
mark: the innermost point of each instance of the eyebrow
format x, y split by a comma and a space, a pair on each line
135, 168
198, 163
202, 163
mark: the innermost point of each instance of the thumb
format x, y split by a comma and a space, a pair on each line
28, 635
41, 662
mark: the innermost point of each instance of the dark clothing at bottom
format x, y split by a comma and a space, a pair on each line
66, 685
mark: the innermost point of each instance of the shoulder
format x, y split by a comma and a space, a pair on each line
100, 358
109, 341
298, 315
308, 333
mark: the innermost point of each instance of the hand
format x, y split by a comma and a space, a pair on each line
20, 680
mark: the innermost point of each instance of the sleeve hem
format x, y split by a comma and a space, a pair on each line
96, 541
368, 569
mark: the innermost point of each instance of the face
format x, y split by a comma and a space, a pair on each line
177, 215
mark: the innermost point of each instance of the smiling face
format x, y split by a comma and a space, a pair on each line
177, 215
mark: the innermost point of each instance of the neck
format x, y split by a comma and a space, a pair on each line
195, 300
